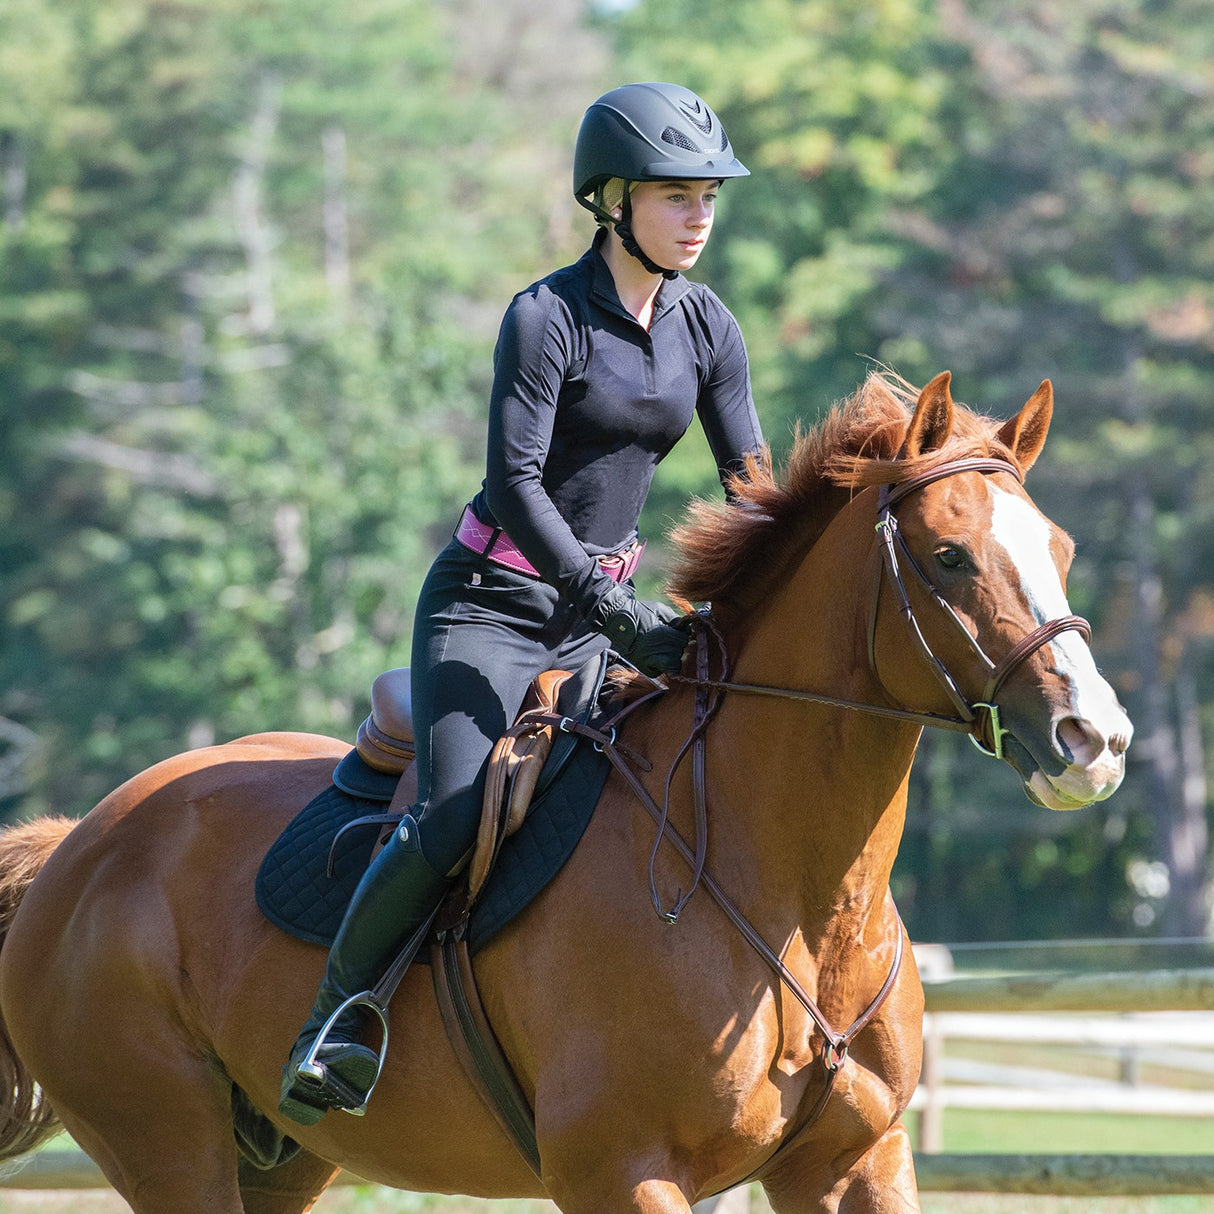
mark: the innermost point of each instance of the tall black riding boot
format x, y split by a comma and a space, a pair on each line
395, 901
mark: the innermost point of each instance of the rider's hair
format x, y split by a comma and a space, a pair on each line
610, 196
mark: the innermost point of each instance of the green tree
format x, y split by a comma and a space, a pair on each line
93, 285
1075, 239
258, 270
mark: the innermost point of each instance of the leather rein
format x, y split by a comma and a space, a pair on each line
978, 718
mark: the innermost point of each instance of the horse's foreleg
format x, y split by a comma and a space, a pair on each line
881, 1181
290, 1188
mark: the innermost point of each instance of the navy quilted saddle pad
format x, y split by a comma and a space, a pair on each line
297, 894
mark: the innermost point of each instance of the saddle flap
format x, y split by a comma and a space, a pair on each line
517, 762
514, 768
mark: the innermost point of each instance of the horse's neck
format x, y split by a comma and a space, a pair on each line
819, 794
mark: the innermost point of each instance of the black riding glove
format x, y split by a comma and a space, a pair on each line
652, 636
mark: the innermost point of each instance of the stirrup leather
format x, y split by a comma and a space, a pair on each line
315, 1074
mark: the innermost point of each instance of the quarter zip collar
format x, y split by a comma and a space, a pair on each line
603, 285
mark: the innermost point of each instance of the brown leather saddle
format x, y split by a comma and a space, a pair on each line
532, 747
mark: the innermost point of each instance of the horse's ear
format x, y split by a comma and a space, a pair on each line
933, 420
1025, 433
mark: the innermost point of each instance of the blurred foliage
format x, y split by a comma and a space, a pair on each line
252, 261
1012, 191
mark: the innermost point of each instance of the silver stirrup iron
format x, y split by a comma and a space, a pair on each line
316, 1073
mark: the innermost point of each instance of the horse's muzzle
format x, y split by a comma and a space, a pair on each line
1081, 763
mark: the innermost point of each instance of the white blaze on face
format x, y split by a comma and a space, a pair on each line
1025, 535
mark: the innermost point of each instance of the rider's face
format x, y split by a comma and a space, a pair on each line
671, 220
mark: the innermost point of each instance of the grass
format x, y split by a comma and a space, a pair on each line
973, 1203
382, 1201
378, 1202
1016, 1133
964, 1131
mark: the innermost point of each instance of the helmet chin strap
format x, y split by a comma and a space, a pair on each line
623, 227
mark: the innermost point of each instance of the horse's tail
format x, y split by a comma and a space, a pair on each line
26, 1119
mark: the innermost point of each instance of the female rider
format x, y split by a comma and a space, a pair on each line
598, 371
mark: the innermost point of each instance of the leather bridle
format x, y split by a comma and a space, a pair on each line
978, 718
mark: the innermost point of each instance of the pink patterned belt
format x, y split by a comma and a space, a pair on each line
495, 545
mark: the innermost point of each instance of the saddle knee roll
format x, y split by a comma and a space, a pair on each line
385, 738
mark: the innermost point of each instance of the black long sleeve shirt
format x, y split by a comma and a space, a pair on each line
586, 402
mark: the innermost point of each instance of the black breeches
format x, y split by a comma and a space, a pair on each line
481, 634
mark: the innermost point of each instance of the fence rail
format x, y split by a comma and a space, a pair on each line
1067, 1175
1002, 1007
1146, 991
1063, 1175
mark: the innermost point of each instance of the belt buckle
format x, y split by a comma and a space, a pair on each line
615, 566
622, 565
629, 559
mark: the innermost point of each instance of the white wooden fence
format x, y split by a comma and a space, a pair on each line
1150, 1017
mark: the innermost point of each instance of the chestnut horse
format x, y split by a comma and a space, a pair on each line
147, 997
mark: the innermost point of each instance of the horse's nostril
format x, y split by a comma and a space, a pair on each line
1079, 740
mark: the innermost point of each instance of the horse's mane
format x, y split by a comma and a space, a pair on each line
730, 553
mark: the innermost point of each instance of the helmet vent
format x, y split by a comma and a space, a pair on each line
670, 135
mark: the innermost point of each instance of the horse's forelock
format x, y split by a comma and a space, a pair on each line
728, 553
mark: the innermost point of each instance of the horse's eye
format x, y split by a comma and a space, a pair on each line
951, 557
